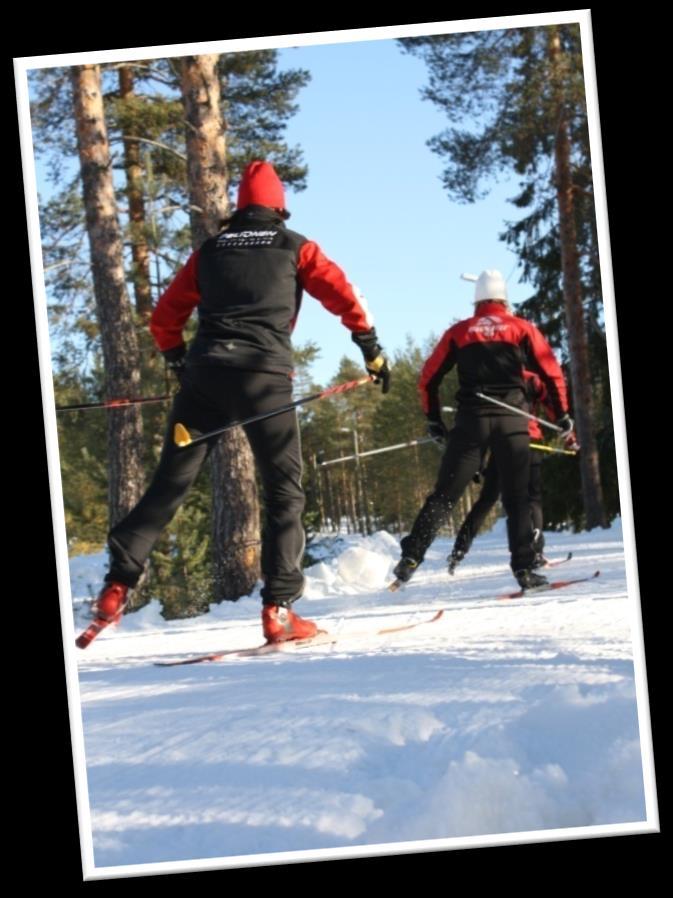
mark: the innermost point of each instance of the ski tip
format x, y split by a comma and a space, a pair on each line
181, 435
87, 637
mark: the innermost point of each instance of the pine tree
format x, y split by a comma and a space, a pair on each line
120, 348
235, 505
144, 112
515, 99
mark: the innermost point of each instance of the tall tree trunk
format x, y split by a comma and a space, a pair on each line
115, 315
583, 405
136, 198
235, 505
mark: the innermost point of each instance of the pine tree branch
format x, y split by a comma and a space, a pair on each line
154, 143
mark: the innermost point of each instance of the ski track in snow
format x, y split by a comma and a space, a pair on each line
503, 716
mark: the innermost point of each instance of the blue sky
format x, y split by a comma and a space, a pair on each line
375, 202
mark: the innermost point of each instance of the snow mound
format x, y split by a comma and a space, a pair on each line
358, 566
365, 563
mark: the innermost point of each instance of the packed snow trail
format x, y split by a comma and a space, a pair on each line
500, 717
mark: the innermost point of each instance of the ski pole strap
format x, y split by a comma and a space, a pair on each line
183, 438
519, 411
110, 403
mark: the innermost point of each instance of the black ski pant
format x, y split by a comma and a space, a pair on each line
506, 435
210, 397
489, 495
535, 497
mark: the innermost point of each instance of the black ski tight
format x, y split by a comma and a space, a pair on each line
507, 437
209, 397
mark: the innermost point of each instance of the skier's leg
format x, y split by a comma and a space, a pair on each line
510, 447
276, 446
461, 459
131, 540
277, 450
535, 499
477, 514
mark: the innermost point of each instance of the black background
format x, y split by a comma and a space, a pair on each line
42, 813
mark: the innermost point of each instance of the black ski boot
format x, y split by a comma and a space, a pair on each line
405, 568
528, 579
454, 559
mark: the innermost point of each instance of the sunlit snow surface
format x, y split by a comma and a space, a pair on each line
504, 716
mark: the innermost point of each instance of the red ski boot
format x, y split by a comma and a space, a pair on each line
107, 609
280, 624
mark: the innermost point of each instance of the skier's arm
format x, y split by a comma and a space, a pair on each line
324, 280
541, 360
440, 362
175, 306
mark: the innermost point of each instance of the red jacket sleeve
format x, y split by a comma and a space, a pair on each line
543, 361
440, 362
324, 280
175, 306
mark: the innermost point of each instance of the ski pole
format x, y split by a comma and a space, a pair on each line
520, 412
336, 461
552, 449
110, 403
182, 437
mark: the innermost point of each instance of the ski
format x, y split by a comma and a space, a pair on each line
555, 584
398, 584
95, 627
555, 562
267, 648
295, 645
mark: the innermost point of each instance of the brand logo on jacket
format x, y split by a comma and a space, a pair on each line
488, 326
246, 238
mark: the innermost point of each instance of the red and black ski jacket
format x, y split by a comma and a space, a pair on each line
536, 395
491, 350
246, 284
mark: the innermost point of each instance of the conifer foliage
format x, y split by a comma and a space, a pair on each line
515, 103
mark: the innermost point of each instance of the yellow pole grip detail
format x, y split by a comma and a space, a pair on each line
181, 435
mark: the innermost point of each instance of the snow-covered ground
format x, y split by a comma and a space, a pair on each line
502, 717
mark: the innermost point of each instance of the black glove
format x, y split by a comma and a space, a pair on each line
175, 360
437, 431
568, 434
375, 362
566, 424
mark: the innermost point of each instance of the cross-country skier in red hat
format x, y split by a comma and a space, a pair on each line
246, 284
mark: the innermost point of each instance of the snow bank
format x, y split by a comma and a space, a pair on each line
363, 563
499, 717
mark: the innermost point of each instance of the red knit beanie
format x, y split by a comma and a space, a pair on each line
261, 185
